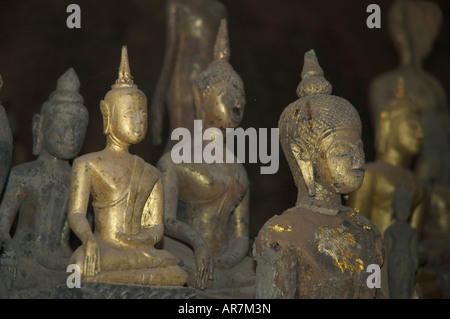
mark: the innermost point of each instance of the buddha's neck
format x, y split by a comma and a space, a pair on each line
48, 158
115, 145
394, 157
324, 198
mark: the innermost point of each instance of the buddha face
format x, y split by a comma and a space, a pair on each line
407, 134
222, 107
128, 122
341, 161
64, 134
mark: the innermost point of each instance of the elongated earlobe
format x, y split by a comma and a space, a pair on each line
106, 116
38, 136
304, 162
199, 112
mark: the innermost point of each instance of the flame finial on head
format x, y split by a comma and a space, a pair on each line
124, 78
222, 46
313, 81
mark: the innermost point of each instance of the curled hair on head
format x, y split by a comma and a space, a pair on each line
307, 121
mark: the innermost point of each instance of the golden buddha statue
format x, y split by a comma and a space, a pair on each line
190, 36
127, 197
207, 204
37, 194
319, 248
414, 26
398, 139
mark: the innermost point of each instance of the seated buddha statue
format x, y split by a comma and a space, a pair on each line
127, 199
207, 204
37, 193
399, 138
319, 248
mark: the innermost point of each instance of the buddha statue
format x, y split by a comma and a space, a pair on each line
319, 248
190, 36
127, 199
37, 193
207, 204
414, 26
398, 139
402, 247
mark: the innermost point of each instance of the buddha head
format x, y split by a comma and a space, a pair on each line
402, 203
60, 128
398, 125
124, 108
414, 25
219, 91
320, 135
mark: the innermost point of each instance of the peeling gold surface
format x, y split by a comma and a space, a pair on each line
280, 229
339, 245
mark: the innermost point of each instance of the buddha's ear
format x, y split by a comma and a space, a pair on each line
104, 108
303, 158
198, 103
38, 136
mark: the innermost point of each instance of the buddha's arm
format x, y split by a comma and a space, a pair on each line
180, 230
239, 244
12, 199
80, 188
159, 97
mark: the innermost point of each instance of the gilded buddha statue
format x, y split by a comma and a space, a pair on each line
207, 204
414, 26
190, 36
398, 139
319, 248
127, 197
37, 193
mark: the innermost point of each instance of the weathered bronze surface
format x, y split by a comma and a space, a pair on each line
127, 196
399, 138
190, 36
37, 195
207, 205
402, 247
319, 248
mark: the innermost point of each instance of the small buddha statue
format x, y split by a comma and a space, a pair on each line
398, 139
37, 193
127, 199
414, 26
319, 248
207, 204
190, 36
402, 247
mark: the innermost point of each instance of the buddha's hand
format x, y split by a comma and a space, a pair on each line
91, 259
8, 258
146, 238
205, 266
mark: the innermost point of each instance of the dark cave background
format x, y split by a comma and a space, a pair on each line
267, 38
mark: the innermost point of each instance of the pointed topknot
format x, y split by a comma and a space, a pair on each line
124, 78
222, 47
313, 81
67, 87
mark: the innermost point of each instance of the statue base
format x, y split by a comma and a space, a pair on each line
99, 290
